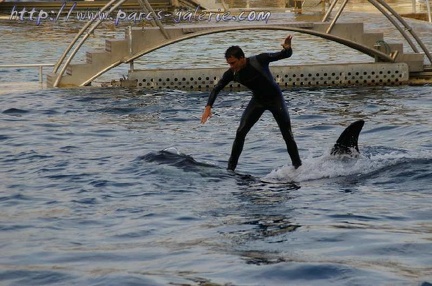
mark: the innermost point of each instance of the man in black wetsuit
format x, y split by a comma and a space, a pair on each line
254, 73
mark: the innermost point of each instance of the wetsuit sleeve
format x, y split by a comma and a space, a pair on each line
226, 78
266, 58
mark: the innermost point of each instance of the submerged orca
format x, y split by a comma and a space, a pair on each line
348, 140
347, 144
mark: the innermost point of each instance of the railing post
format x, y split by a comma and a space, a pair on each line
39, 66
332, 5
130, 44
336, 17
40, 74
428, 9
129, 31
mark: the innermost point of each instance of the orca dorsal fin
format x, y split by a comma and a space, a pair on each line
348, 140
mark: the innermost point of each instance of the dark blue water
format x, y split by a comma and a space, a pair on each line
110, 186
120, 187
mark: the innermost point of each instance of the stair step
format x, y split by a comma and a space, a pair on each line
415, 61
50, 79
349, 31
95, 56
115, 45
395, 47
69, 70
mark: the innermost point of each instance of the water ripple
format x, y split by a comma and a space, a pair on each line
111, 186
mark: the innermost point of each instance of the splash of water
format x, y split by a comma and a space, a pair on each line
372, 162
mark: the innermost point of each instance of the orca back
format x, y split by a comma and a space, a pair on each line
348, 140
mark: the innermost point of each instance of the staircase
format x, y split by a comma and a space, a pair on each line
355, 32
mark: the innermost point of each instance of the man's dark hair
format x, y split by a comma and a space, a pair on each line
234, 51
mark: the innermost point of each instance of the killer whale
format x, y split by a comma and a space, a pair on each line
347, 143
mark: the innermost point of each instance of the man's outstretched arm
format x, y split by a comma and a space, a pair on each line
226, 78
266, 58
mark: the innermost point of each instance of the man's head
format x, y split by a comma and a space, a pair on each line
235, 58
234, 51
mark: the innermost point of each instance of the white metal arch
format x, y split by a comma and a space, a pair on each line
354, 45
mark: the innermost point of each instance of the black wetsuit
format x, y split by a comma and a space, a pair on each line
266, 96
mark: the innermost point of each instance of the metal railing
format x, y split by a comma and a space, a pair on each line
382, 6
84, 38
40, 66
86, 30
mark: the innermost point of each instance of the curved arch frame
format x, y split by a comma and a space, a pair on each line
388, 12
364, 49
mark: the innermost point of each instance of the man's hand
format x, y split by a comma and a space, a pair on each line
287, 44
206, 114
